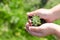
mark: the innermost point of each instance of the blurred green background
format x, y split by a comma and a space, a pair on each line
13, 18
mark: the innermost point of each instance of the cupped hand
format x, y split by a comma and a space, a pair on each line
41, 31
49, 15
45, 14
44, 29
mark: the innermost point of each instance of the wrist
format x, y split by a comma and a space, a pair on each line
56, 14
57, 30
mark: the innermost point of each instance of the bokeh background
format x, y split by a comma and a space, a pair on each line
13, 18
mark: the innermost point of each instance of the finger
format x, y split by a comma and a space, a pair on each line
30, 14
36, 34
27, 26
30, 22
35, 29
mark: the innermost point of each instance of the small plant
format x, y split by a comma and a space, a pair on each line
37, 21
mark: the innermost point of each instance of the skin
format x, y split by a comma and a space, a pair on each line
48, 28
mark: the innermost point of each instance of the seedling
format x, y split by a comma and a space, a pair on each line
37, 21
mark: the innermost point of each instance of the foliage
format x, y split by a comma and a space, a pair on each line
36, 21
13, 18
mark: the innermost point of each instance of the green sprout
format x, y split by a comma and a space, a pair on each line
36, 21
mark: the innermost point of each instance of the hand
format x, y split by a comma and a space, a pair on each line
46, 14
41, 31
48, 28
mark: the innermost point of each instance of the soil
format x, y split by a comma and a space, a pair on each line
42, 21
